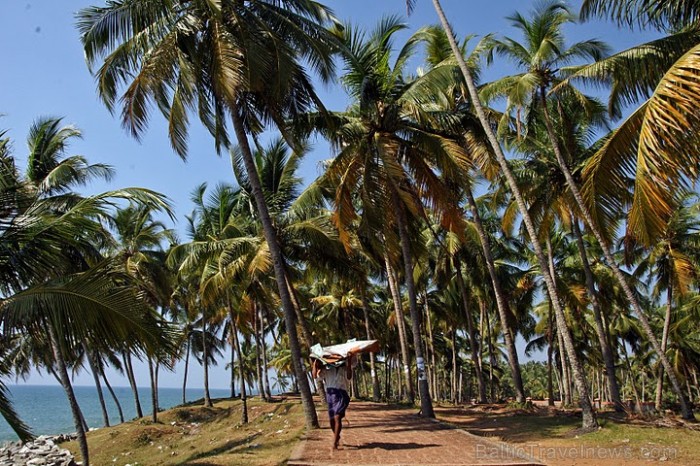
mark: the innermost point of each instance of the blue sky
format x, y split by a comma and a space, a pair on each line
43, 73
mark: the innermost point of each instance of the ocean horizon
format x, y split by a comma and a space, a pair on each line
45, 407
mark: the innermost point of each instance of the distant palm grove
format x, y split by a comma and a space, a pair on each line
453, 218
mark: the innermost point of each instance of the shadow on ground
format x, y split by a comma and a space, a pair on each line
396, 446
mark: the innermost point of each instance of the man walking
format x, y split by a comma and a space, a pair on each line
335, 379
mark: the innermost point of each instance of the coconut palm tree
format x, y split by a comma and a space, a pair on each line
671, 266
544, 51
388, 159
650, 148
218, 58
440, 55
589, 420
59, 291
140, 249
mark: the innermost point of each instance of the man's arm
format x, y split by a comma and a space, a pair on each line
348, 365
315, 368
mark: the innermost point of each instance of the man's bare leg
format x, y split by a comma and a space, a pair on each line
337, 426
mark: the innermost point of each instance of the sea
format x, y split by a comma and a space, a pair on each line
45, 407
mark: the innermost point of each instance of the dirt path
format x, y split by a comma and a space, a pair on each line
382, 435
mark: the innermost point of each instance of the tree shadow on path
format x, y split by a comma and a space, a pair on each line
396, 446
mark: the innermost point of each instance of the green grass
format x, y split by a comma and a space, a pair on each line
194, 435
636, 440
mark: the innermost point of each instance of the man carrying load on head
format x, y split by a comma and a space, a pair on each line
335, 379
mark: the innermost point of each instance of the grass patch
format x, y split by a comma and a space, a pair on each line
554, 437
197, 436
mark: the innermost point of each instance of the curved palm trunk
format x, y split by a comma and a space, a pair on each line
473, 341
664, 342
96, 377
205, 361
114, 396
589, 420
306, 336
501, 302
64, 378
686, 410
279, 266
426, 403
398, 309
608, 357
129, 369
376, 395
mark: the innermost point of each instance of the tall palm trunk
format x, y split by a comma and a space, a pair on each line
306, 335
567, 396
473, 341
94, 368
258, 356
376, 395
241, 362
431, 348
279, 266
589, 420
129, 369
114, 396
426, 403
232, 365
492, 354
550, 361
453, 340
64, 378
187, 366
154, 390
501, 302
205, 360
608, 357
266, 379
686, 410
398, 310
664, 341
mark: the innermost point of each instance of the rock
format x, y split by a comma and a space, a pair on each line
43, 451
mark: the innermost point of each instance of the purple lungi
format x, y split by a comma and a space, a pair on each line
338, 401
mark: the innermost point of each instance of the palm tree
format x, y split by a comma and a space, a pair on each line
219, 58
588, 414
650, 148
671, 264
59, 291
440, 55
387, 157
140, 250
545, 52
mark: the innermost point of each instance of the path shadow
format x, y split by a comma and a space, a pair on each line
396, 446
227, 447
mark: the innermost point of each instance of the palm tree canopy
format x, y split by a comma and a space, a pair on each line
651, 146
206, 57
666, 15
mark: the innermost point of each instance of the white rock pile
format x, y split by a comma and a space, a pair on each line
43, 451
